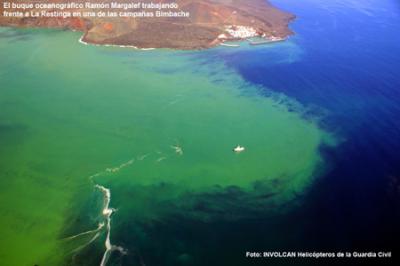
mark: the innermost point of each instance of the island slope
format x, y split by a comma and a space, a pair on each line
210, 23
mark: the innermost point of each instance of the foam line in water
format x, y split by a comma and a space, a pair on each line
161, 159
107, 212
100, 226
142, 157
178, 149
87, 244
116, 168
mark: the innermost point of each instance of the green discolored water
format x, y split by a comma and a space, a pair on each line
156, 128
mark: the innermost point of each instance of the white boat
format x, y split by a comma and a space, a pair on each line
239, 149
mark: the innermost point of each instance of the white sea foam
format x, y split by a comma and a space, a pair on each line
87, 244
116, 169
107, 212
114, 45
95, 175
161, 159
82, 42
142, 157
178, 149
100, 226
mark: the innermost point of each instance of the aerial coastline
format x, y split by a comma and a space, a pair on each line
193, 24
